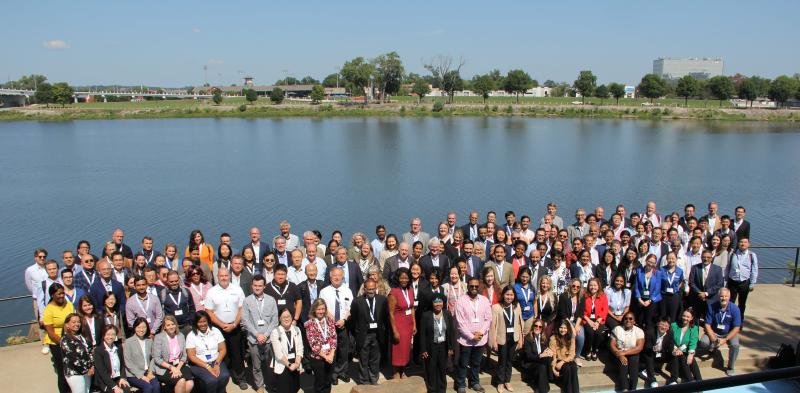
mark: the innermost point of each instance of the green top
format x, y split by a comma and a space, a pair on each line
689, 341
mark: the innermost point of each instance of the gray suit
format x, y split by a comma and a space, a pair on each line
575, 230
422, 236
259, 354
161, 351
134, 359
391, 265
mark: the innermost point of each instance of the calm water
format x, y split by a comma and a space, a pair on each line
62, 182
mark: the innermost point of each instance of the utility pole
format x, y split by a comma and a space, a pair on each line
205, 75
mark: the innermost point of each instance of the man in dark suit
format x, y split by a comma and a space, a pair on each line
401, 259
370, 316
726, 228
538, 270
117, 236
474, 264
104, 284
688, 212
740, 225
260, 249
470, 229
658, 347
705, 281
434, 258
351, 272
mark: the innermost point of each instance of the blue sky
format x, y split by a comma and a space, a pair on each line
168, 43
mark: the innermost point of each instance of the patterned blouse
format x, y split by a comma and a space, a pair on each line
319, 334
77, 358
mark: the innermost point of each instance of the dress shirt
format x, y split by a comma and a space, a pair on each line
296, 276
34, 275
149, 309
377, 246
322, 267
225, 302
473, 315
741, 269
345, 297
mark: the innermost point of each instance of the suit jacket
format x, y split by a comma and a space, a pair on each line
360, 315
245, 282
279, 343
98, 290
102, 367
465, 229
565, 308
354, 275
99, 324
532, 353
134, 359
161, 351
391, 265
667, 343
305, 294
426, 331
743, 230
507, 278
452, 252
717, 224
600, 273
538, 272
497, 329
423, 237
477, 266
263, 250
731, 233
713, 284
426, 297
573, 231
427, 266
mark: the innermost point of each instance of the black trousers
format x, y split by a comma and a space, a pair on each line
505, 359
592, 337
58, 365
651, 362
628, 376
369, 359
436, 368
287, 381
568, 378
739, 290
671, 306
688, 372
538, 373
646, 316
341, 360
234, 343
322, 375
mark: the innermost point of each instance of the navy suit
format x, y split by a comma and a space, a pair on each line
743, 230
263, 250
714, 282
477, 266
98, 291
654, 287
465, 229
355, 278
427, 266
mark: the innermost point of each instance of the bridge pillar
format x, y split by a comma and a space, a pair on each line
75, 98
105, 99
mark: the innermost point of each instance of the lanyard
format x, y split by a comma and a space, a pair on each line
250, 269
672, 278
70, 298
323, 331
526, 294
198, 289
722, 315
647, 280
289, 342
538, 341
144, 308
111, 320
541, 303
177, 302
280, 294
149, 260
509, 316
474, 306
91, 281
168, 263
618, 295
439, 322
371, 308
405, 296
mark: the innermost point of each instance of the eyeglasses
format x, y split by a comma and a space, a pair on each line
628, 319
195, 274
473, 286
270, 260
40, 257
576, 286
537, 326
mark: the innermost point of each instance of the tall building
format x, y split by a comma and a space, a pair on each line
699, 68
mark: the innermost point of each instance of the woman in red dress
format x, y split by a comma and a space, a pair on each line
401, 318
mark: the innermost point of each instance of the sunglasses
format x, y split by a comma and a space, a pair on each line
628, 319
195, 274
473, 286
88, 260
537, 326
576, 286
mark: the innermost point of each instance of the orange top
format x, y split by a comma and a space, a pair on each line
206, 254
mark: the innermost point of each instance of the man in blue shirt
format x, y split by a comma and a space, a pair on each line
742, 273
723, 323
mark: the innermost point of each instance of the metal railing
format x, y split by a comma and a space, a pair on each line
726, 382
796, 259
18, 324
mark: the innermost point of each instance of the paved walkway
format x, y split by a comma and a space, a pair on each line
773, 318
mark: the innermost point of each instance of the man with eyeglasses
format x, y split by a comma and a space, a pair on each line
473, 317
538, 357
87, 275
34, 275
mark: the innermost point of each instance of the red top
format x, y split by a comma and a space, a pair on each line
600, 308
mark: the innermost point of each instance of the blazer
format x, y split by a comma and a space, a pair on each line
453, 252
245, 282
354, 275
427, 266
99, 324
532, 353
102, 367
465, 229
423, 237
477, 266
391, 265
743, 230
161, 351
279, 342
305, 295
359, 312
98, 290
599, 271
713, 284
654, 288
134, 364
497, 329
425, 297
565, 308
426, 331
667, 344
263, 250
600, 307
507, 277
251, 314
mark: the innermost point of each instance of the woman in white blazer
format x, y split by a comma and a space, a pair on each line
287, 349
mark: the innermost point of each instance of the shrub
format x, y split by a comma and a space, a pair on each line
242, 108
438, 106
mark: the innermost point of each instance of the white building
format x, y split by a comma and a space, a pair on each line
699, 68
630, 91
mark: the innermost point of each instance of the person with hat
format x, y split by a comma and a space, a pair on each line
437, 343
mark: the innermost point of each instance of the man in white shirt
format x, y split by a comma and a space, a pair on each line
224, 305
338, 298
292, 241
311, 258
295, 273
42, 290
34, 275
379, 242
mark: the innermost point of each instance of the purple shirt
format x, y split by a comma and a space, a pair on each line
473, 315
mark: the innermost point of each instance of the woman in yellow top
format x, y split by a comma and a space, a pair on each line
197, 241
53, 318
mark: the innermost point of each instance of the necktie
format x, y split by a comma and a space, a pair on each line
312, 292
336, 306
705, 274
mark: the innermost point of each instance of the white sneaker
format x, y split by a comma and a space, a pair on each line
45, 350
643, 374
654, 384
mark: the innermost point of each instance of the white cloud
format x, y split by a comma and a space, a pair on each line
55, 45
196, 30
215, 62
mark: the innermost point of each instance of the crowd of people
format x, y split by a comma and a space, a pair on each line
643, 291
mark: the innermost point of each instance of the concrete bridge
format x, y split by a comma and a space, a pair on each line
18, 97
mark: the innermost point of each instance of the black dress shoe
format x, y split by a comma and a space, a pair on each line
335, 382
345, 379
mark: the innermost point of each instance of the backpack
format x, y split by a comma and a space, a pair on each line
786, 357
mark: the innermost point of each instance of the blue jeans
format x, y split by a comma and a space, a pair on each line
580, 338
146, 387
470, 356
212, 384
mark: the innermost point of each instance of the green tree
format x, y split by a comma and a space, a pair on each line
331, 80
549, 83
497, 77
277, 95
517, 81
44, 93
62, 93
617, 91
483, 85
317, 94
782, 88
748, 91
421, 88
452, 82
585, 84
308, 80
601, 92
388, 72
288, 81
27, 82
217, 97
250, 95
652, 86
721, 88
446, 73
687, 87
357, 73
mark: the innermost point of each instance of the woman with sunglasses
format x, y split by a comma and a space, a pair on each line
198, 286
647, 292
563, 366
505, 336
594, 317
571, 308
627, 341
538, 358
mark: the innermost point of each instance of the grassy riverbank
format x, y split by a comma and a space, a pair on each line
235, 107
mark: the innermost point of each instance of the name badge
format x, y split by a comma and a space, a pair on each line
618, 313
178, 313
721, 326
670, 290
591, 316
260, 322
290, 356
416, 303
326, 347
281, 302
627, 285
439, 340
208, 357
408, 312
658, 355
476, 320
646, 293
149, 320
373, 325
526, 308
510, 330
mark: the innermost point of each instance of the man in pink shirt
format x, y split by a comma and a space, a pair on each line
473, 317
